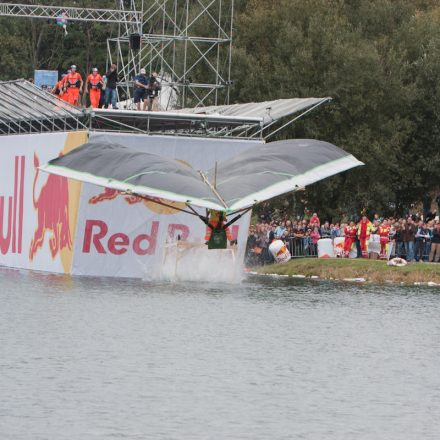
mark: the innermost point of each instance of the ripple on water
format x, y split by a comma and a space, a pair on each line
101, 358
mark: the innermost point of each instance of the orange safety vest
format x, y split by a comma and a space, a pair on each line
72, 80
94, 80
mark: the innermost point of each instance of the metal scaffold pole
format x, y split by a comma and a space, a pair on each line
187, 42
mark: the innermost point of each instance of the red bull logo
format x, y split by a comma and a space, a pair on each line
52, 206
11, 235
111, 194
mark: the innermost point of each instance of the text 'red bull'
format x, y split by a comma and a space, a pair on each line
118, 243
11, 241
95, 236
52, 206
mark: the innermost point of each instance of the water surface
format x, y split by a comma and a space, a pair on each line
87, 358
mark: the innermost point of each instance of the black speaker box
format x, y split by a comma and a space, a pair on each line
135, 41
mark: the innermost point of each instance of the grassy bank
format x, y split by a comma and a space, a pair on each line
372, 270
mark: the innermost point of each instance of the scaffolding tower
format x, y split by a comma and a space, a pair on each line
187, 42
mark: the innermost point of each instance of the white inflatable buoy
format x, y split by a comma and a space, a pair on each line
338, 246
279, 251
397, 262
325, 248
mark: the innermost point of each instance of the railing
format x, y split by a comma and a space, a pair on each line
302, 247
400, 251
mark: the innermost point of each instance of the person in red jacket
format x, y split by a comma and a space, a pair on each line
73, 85
364, 230
350, 237
94, 85
384, 233
314, 220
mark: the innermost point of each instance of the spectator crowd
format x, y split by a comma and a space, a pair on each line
413, 238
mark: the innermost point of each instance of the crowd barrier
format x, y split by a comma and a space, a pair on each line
303, 247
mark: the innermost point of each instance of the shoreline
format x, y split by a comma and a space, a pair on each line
356, 270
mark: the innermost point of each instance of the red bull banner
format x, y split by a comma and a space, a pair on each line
125, 236
58, 225
38, 212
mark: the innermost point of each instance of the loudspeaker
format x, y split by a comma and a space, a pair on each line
135, 41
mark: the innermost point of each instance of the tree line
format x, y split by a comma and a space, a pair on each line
378, 59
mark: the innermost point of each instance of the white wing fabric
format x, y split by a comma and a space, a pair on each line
268, 170
126, 169
257, 174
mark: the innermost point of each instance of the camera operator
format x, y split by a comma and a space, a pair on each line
152, 90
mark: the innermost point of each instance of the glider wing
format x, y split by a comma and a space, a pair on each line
275, 168
133, 171
255, 175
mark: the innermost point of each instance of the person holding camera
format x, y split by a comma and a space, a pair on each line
152, 90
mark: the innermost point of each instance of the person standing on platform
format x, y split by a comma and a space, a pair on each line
73, 85
140, 90
110, 87
153, 92
59, 88
94, 85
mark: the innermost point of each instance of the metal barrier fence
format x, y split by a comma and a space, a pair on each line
302, 247
400, 251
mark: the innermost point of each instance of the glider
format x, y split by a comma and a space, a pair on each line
231, 188
235, 185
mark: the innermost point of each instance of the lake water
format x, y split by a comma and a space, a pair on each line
267, 359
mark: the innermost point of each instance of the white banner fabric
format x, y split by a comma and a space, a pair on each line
37, 210
125, 236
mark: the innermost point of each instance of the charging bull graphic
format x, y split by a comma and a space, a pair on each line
56, 204
52, 206
111, 194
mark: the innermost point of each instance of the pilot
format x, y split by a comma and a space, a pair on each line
217, 235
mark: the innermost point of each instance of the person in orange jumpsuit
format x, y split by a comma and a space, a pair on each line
215, 218
350, 237
384, 233
73, 85
94, 84
59, 88
364, 230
